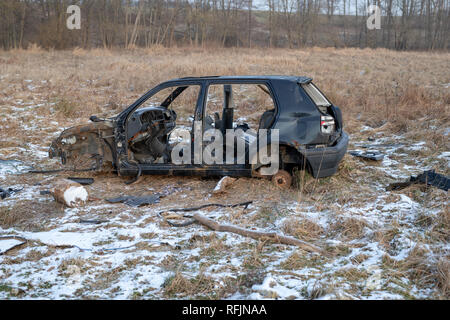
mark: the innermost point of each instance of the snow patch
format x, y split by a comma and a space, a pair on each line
7, 244
271, 289
75, 194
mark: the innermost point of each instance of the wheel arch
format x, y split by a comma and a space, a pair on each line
291, 157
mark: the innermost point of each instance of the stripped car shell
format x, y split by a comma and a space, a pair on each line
310, 128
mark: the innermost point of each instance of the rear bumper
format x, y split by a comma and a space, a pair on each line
324, 162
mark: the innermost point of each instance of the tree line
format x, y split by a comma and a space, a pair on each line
405, 24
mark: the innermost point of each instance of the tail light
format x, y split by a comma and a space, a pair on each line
327, 124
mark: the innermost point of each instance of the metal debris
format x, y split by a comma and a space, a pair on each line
13, 167
82, 181
244, 204
92, 221
10, 243
191, 221
134, 201
368, 155
382, 145
429, 177
5, 193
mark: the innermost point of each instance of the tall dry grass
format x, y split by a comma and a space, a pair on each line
372, 86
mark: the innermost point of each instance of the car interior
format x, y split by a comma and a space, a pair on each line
153, 130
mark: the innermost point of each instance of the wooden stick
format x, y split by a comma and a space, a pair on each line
256, 234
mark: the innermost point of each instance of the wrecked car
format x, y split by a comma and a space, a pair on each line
143, 137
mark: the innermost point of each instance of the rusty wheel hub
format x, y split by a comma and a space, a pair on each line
282, 179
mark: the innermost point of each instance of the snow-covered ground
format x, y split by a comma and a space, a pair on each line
381, 245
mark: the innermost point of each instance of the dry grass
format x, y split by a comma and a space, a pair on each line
36, 255
424, 270
213, 247
443, 277
440, 226
299, 260
304, 229
386, 235
392, 92
254, 259
348, 227
201, 286
78, 262
374, 85
179, 285
352, 274
22, 214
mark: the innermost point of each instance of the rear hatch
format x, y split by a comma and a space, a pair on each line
330, 115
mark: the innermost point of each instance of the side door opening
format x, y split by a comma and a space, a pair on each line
155, 128
243, 108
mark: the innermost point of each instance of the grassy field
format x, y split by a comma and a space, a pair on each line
382, 245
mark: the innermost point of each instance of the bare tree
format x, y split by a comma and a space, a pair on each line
406, 24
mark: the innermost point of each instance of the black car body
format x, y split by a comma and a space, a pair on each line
310, 131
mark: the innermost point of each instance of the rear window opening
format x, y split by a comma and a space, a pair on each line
319, 99
239, 106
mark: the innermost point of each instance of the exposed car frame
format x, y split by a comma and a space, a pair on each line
296, 116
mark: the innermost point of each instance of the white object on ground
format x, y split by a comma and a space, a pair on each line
75, 194
223, 184
69, 193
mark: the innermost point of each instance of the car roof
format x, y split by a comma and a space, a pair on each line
297, 79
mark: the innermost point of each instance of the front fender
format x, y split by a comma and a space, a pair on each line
92, 140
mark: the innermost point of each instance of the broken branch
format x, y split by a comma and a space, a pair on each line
243, 204
255, 234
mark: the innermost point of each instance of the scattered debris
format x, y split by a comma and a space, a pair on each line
192, 221
368, 155
5, 193
179, 225
52, 244
382, 145
8, 243
69, 193
82, 181
92, 221
12, 167
244, 204
429, 177
258, 235
46, 171
223, 184
134, 201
